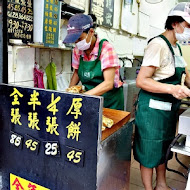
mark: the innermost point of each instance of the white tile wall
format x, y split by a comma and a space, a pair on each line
23, 58
25, 64
138, 50
122, 43
62, 59
24, 83
10, 65
20, 64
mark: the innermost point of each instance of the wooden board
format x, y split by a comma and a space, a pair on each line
119, 117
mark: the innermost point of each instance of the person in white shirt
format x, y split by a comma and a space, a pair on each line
160, 77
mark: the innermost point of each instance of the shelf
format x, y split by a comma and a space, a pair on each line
40, 46
43, 47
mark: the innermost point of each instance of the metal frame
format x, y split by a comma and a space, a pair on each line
4, 50
169, 153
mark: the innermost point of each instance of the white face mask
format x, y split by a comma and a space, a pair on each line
185, 36
83, 45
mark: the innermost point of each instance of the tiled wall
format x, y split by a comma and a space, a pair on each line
20, 65
185, 51
21, 60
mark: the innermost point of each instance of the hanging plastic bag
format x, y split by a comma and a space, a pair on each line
38, 77
62, 82
51, 76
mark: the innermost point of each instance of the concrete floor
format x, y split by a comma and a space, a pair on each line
173, 180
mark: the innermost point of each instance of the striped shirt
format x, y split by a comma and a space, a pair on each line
108, 59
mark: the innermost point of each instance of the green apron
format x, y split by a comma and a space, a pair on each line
91, 75
156, 118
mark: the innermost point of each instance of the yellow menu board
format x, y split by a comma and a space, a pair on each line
23, 184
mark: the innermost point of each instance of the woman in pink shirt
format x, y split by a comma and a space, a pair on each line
95, 62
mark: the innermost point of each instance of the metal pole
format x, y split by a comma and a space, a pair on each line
3, 43
188, 182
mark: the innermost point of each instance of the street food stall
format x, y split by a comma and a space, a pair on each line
54, 140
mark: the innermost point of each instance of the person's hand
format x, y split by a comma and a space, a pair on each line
180, 92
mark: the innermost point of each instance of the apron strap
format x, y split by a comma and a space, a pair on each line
170, 46
168, 43
179, 49
99, 52
100, 46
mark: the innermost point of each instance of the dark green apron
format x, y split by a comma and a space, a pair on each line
156, 118
91, 75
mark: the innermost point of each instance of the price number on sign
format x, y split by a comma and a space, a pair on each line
16, 139
32, 144
13, 24
10, 7
52, 148
75, 156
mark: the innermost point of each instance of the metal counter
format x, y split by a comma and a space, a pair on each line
184, 128
95, 163
114, 160
181, 144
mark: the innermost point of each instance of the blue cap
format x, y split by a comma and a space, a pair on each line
76, 25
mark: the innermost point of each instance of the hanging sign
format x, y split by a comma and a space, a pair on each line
51, 23
20, 20
104, 11
46, 139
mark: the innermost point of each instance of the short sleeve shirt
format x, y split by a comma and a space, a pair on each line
108, 59
158, 54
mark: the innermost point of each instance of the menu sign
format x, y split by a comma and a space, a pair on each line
18, 183
20, 20
104, 11
51, 23
49, 133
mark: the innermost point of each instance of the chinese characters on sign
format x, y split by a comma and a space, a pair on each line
18, 183
32, 116
44, 133
51, 148
15, 112
20, 20
72, 155
51, 23
51, 121
74, 128
104, 11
